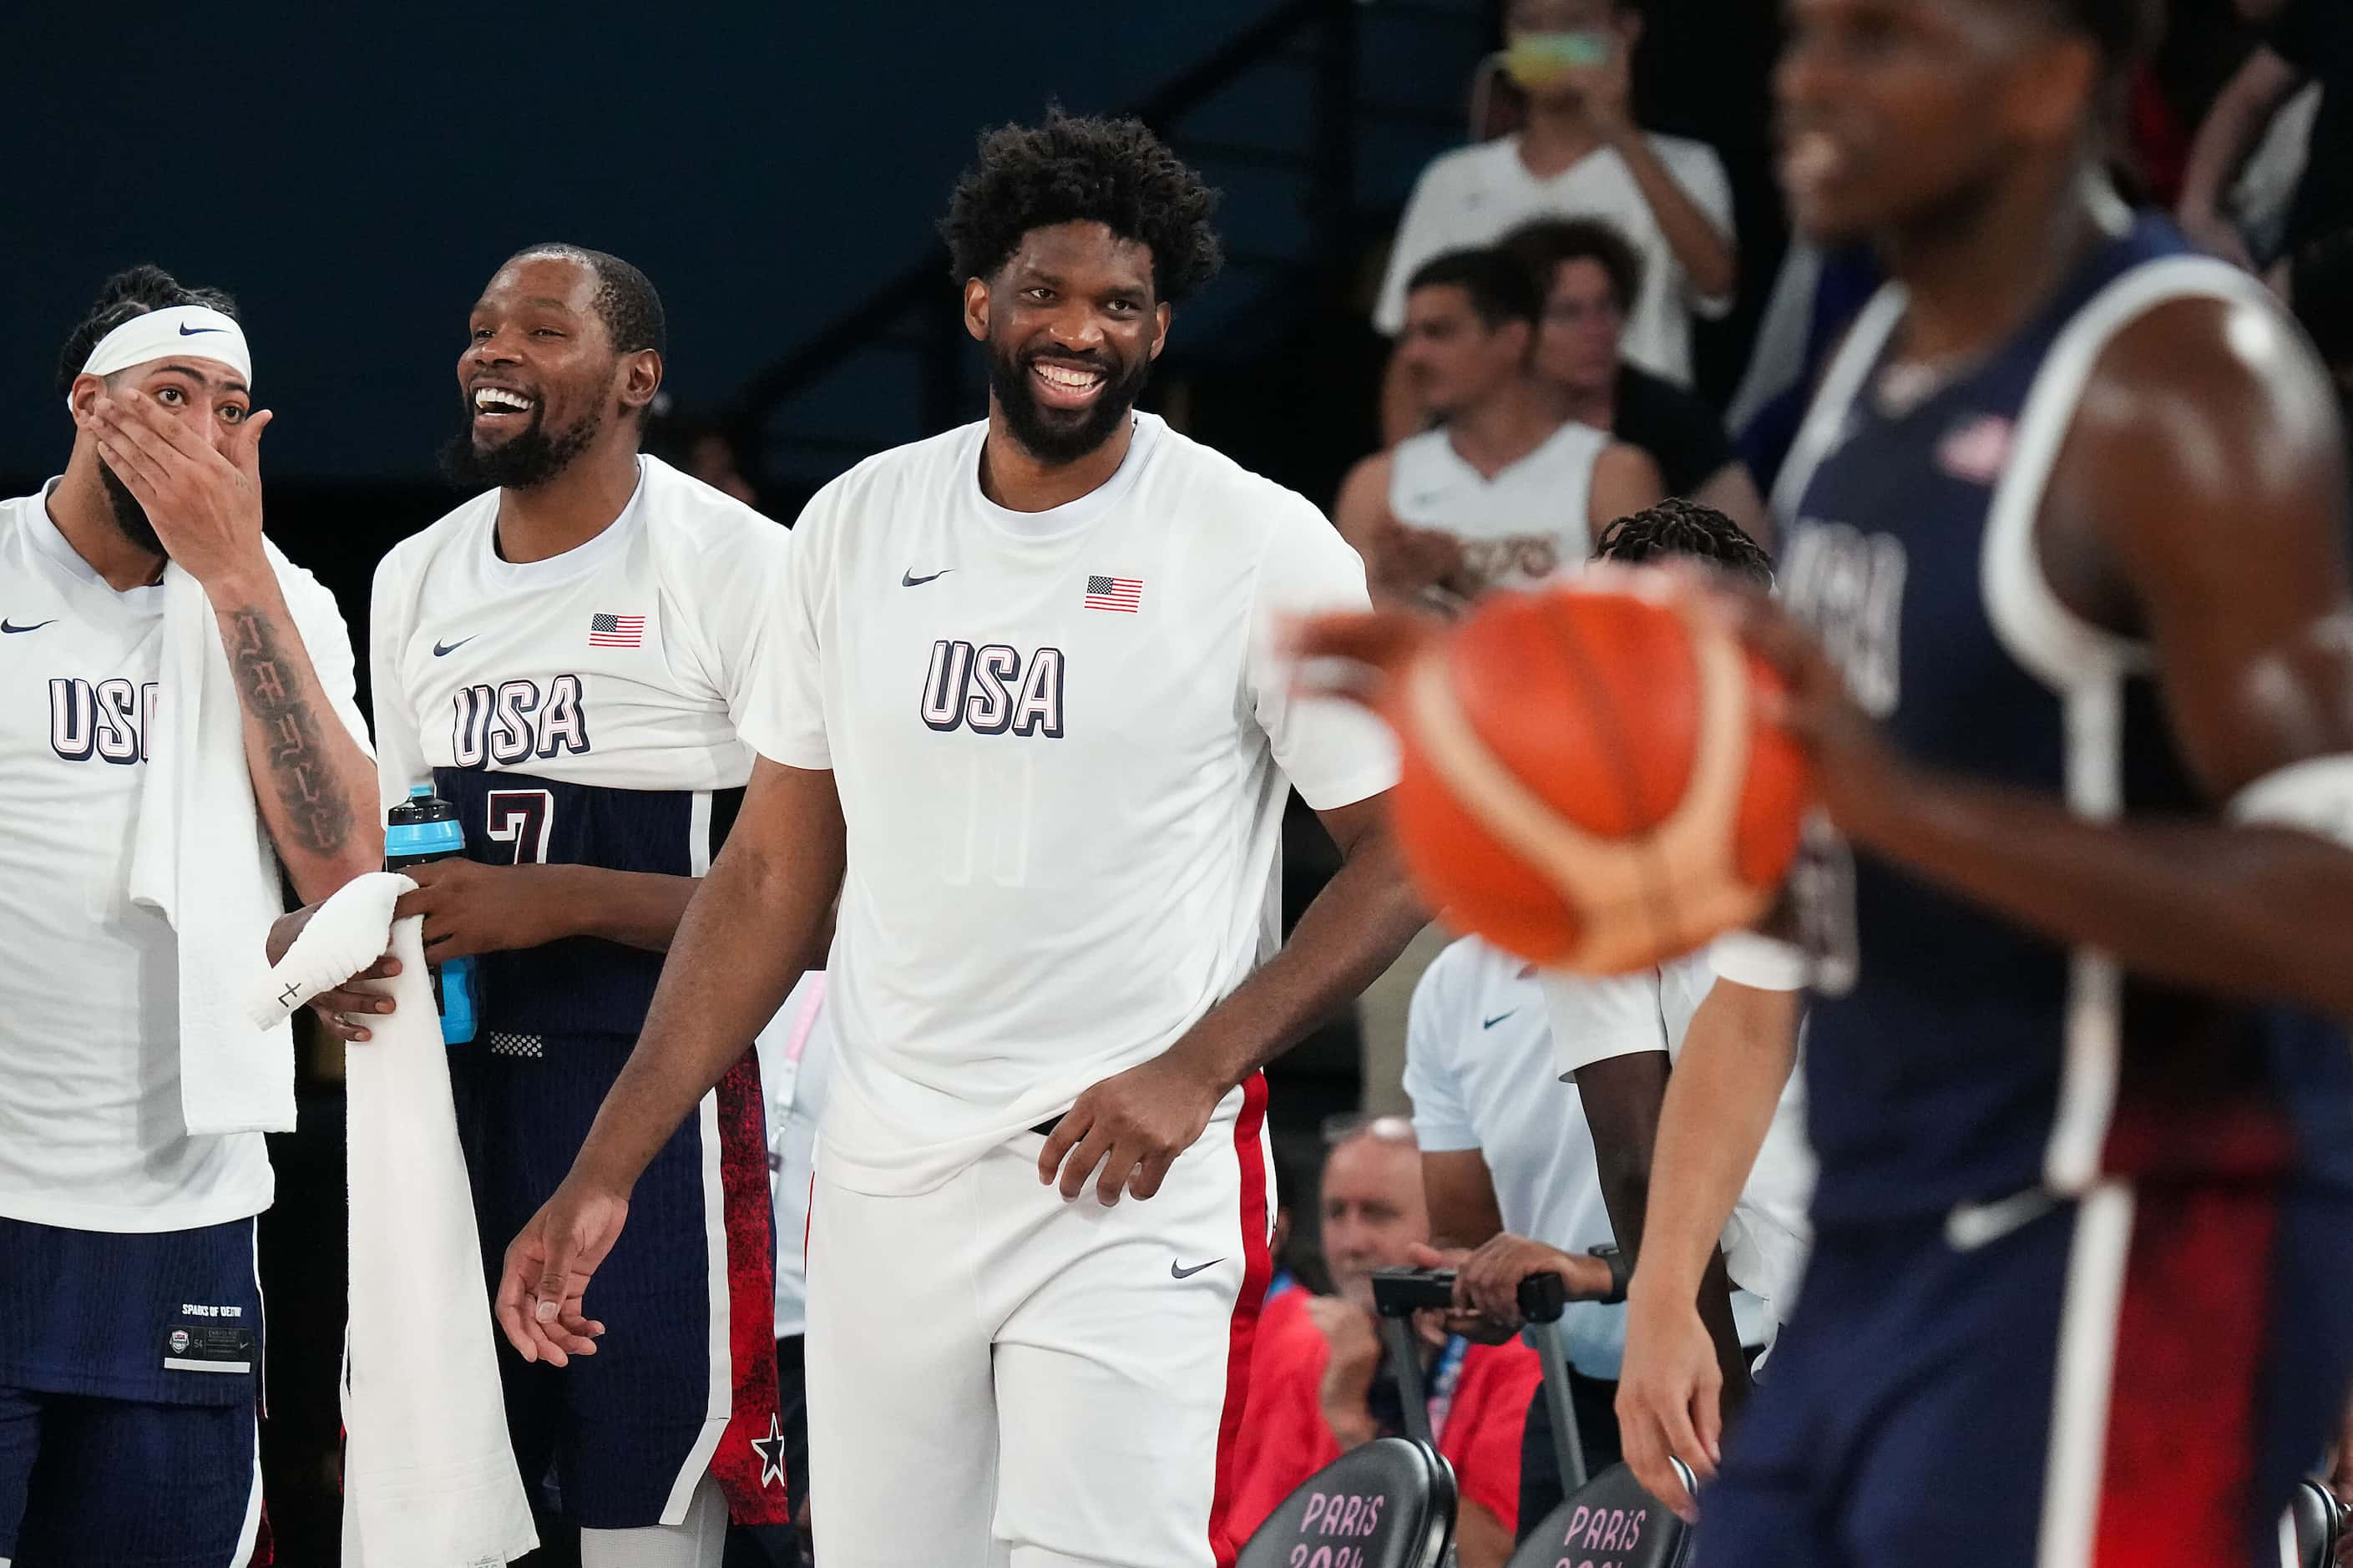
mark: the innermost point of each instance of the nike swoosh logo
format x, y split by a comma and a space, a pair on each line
37, 626
188, 331
1972, 1226
1497, 1019
909, 580
1176, 1273
443, 649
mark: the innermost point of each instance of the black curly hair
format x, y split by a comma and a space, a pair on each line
134, 291
1676, 527
627, 300
1082, 169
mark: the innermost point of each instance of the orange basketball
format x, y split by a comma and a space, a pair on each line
1586, 781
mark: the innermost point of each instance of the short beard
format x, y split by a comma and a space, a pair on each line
128, 514
523, 461
1049, 435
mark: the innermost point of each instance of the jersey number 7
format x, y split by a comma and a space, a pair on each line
522, 816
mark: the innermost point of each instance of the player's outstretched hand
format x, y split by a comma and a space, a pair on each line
1356, 656
1670, 1398
206, 505
547, 1270
334, 1008
471, 907
1133, 1125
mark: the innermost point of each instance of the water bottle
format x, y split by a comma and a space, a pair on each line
421, 828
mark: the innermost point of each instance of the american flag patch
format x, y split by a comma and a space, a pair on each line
616, 631
1122, 594
1977, 452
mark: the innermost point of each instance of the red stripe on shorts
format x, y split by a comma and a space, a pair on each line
1258, 1268
750, 1299
2177, 1481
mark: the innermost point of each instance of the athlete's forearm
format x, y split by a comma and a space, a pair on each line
1689, 232
315, 786
2246, 910
634, 909
1351, 932
1736, 1059
751, 927
1624, 1099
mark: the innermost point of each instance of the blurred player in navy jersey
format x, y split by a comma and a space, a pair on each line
1026, 689
2066, 621
2066, 624
129, 1360
564, 658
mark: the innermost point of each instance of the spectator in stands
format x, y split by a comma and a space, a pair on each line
1318, 1386
1588, 276
1505, 492
2305, 41
699, 448
1580, 155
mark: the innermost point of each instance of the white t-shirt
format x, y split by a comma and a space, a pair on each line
1767, 1238
618, 665
1060, 740
1475, 196
796, 1067
91, 1131
1526, 523
1479, 1071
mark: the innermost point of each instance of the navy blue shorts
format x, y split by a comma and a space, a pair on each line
684, 1381
2136, 1379
130, 1382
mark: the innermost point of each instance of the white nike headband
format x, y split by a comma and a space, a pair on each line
196, 332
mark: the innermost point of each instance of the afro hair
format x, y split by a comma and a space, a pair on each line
1081, 169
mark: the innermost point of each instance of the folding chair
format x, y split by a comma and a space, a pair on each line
1389, 1503
1609, 1518
2316, 1523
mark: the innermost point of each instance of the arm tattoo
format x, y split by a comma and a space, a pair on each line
317, 818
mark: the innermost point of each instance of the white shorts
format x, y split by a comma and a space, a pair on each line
998, 1378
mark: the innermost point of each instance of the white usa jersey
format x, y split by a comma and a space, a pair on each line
1526, 523
91, 1131
1060, 740
578, 710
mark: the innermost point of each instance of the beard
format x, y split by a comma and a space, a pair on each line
524, 461
128, 514
1057, 435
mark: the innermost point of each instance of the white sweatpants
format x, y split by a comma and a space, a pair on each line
998, 1378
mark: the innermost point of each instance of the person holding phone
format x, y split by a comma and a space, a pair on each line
1580, 154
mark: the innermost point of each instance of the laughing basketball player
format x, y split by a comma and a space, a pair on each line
1026, 688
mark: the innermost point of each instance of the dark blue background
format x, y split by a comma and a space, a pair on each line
355, 174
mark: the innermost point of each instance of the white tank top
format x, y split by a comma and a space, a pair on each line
1525, 525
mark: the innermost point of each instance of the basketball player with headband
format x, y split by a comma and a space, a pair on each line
129, 1375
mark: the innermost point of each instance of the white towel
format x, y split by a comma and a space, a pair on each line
430, 1478
203, 860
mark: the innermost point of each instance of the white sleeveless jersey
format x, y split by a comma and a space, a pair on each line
91, 1131
1062, 741
578, 710
1525, 525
